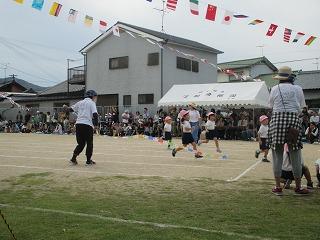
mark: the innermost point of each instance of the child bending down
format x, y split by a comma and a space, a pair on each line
186, 135
211, 132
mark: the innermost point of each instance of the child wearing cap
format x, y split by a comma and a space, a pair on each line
211, 132
167, 130
262, 138
186, 135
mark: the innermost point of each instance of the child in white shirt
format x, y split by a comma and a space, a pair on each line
211, 132
262, 137
167, 129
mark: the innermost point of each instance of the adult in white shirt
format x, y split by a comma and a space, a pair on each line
125, 117
314, 118
286, 101
87, 120
194, 121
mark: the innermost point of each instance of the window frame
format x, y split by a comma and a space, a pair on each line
121, 65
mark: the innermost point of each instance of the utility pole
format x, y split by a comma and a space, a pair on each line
317, 63
262, 48
5, 70
163, 14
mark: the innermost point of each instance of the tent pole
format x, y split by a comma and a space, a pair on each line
254, 125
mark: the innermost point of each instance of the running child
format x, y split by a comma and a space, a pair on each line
167, 131
87, 120
211, 132
262, 138
186, 135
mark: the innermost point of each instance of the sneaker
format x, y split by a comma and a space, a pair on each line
301, 191
198, 156
90, 162
73, 161
174, 152
219, 150
257, 153
277, 191
287, 184
310, 185
265, 160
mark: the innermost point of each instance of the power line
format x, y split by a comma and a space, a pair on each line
297, 60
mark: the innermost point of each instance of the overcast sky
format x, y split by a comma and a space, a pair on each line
37, 44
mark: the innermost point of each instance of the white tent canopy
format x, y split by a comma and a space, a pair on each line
245, 94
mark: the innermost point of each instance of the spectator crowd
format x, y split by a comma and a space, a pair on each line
233, 124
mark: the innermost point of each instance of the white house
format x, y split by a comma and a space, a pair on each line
133, 73
246, 67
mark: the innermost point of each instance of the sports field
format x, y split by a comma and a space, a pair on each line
138, 190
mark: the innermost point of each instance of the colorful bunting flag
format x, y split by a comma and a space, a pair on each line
211, 12
149, 0
272, 29
287, 35
103, 26
227, 17
72, 15
310, 40
38, 4
255, 22
194, 7
88, 20
55, 9
116, 31
19, 1
298, 36
240, 16
172, 4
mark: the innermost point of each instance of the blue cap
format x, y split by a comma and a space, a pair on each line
90, 94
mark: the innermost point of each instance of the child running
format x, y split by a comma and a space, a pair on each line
262, 137
167, 131
211, 132
186, 135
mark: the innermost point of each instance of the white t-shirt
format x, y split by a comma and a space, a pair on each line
210, 125
185, 125
314, 119
85, 110
263, 131
125, 117
167, 127
194, 116
293, 98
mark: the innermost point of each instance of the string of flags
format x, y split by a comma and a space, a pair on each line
211, 12
4, 96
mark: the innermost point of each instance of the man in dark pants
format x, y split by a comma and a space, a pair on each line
87, 120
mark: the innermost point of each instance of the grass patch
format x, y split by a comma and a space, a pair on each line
244, 208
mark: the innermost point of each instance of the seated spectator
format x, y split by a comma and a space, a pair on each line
312, 133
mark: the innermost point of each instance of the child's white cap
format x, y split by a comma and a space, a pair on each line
210, 113
168, 118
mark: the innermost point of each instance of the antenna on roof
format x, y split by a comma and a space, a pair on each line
262, 48
163, 14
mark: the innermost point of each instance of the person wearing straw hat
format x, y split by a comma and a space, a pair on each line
286, 101
194, 121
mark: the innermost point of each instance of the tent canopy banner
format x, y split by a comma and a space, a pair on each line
247, 94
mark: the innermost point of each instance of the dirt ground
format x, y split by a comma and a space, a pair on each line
31, 153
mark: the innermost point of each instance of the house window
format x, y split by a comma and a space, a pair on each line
187, 64
234, 78
126, 100
195, 66
145, 98
118, 63
153, 59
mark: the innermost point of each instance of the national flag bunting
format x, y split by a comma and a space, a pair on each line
256, 21
211, 12
194, 7
310, 40
72, 15
149, 0
38, 4
227, 17
172, 4
19, 1
272, 29
55, 9
287, 35
88, 20
116, 31
298, 36
103, 26
240, 16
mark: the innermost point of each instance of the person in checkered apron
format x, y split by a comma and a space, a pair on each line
286, 101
